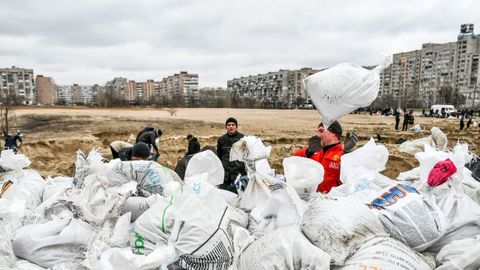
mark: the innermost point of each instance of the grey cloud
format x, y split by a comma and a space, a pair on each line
217, 39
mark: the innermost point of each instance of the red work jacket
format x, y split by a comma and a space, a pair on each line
330, 161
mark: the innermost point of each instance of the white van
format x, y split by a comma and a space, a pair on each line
449, 110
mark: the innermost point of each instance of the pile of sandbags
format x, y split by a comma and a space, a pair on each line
140, 215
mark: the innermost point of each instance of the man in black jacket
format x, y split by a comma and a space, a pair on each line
149, 138
224, 144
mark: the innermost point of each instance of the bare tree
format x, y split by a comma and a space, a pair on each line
8, 100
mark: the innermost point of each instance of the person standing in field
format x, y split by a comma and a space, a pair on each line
406, 121
224, 144
397, 118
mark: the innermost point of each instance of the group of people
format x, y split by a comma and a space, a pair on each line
325, 147
408, 119
145, 147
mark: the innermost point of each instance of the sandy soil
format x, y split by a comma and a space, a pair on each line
52, 136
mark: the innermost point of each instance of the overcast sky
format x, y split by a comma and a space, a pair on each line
93, 41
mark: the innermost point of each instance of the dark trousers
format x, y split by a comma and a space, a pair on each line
114, 153
405, 126
397, 122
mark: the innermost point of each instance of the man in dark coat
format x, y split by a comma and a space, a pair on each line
11, 141
149, 139
224, 144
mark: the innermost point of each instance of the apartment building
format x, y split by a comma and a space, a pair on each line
19, 81
283, 86
183, 85
45, 90
438, 73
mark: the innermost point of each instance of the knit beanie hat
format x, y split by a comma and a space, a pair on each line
141, 150
231, 120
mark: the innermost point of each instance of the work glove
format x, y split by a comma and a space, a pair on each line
350, 141
156, 157
314, 145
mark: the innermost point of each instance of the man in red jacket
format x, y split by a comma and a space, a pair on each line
328, 154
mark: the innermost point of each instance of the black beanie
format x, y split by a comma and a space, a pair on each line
231, 120
336, 128
159, 132
141, 150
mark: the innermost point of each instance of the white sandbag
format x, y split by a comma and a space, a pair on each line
410, 217
124, 259
150, 176
153, 227
96, 201
285, 248
415, 146
208, 162
26, 265
202, 238
10, 161
18, 203
249, 148
283, 209
462, 216
7, 259
137, 205
360, 169
339, 226
439, 138
58, 242
342, 89
114, 233
28, 186
459, 209
386, 253
56, 185
303, 174
460, 255
257, 192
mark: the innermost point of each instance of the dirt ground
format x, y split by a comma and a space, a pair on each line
53, 135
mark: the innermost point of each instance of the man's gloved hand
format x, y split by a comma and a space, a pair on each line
350, 141
314, 145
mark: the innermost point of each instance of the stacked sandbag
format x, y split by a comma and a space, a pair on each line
285, 248
361, 169
386, 253
339, 226
284, 208
409, 217
56, 243
303, 175
460, 255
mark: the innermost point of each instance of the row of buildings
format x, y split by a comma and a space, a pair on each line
43, 90
444, 73
436, 73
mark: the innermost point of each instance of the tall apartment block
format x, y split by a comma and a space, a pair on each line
435, 73
19, 81
181, 84
45, 90
284, 86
